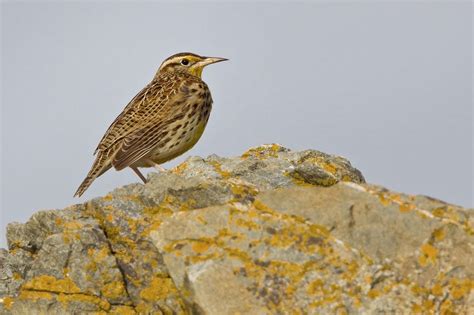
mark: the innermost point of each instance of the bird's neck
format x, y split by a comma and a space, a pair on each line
197, 72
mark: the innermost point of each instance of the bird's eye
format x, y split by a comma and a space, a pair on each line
185, 62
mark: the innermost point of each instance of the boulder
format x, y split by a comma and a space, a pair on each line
272, 231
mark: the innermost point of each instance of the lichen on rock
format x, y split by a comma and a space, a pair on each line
272, 231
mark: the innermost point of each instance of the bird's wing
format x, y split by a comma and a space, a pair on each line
140, 143
144, 107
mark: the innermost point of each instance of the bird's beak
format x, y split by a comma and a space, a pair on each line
209, 60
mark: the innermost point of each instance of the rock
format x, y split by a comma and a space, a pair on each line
273, 231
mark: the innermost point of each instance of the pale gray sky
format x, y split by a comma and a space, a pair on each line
387, 85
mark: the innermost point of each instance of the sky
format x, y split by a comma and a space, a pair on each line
386, 85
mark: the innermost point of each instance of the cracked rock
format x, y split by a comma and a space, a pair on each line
272, 231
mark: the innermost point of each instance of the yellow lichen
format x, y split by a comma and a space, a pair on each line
438, 212
437, 290
419, 290
263, 151
180, 168
35, 295
439, 234
8, 302
200, 247
109, 217
240, 191
416, 309
153, 226
123, 310
99, 255
329, 167
171, 202
218, 168
347, 178
297, 179
446, 308
113, 290
65, 299
428, 254
199, 258
406, 207
201, 219
315, 286
158, 289
51, 284
262, 207
384, 200
73, 225
108, 197
460, 288
17, 276
247, 224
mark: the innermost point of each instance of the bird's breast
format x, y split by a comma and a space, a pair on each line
183, 133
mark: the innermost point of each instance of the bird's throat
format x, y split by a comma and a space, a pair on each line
196, 71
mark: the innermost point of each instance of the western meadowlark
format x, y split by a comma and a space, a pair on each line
161, 122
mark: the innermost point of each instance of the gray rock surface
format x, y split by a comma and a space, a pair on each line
273, 231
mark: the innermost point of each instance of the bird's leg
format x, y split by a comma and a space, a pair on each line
135, 169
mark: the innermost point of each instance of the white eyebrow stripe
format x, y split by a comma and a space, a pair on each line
173, 60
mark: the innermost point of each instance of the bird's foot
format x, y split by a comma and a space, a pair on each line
159, 168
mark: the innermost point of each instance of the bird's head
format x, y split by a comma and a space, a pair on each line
187, 62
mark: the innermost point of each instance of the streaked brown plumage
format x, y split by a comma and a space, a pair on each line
164, 120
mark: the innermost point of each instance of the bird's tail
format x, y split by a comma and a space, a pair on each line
100, 166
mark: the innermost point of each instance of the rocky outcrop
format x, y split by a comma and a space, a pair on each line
270, 232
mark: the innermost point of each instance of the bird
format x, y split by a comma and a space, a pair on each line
163, 121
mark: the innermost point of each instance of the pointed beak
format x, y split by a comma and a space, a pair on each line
210, 60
